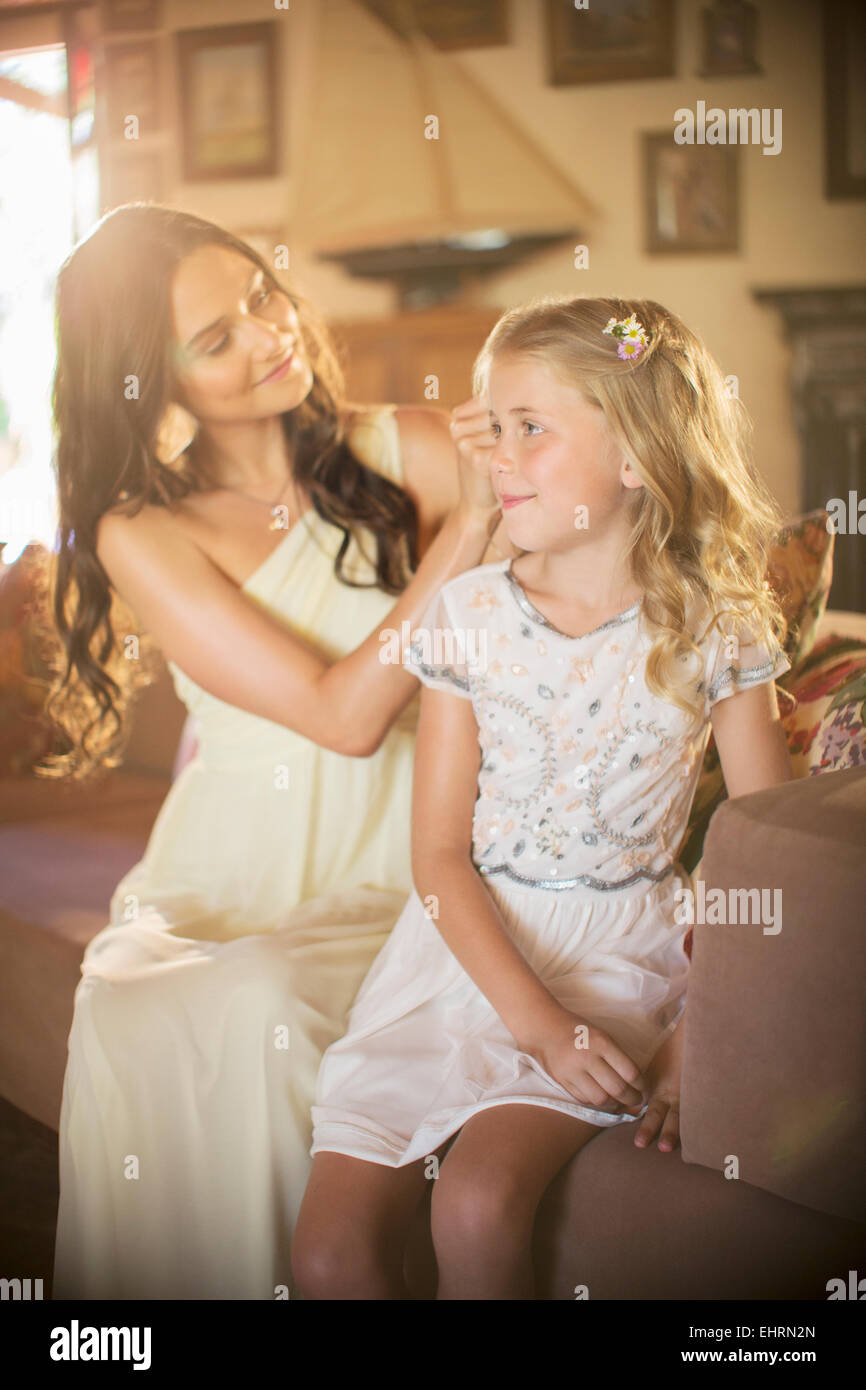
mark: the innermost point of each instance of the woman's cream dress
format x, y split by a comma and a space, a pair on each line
273, 875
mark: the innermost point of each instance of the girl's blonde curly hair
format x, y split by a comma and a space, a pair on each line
704, 520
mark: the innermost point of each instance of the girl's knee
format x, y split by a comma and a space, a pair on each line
473, 1203
317, 1267
331, 1263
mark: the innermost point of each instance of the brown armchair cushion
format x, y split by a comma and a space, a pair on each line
774, 1063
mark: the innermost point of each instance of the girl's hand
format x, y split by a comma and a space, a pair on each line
598, 1074
663, 1110
474, 440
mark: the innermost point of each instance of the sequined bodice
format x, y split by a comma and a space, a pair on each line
586, 777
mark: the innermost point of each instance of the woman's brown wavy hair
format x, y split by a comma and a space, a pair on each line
704, 520
114, 322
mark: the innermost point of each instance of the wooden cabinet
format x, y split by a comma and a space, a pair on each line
394, 359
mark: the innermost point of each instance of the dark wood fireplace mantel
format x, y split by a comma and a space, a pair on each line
826, 328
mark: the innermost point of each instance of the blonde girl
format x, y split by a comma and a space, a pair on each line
533, 990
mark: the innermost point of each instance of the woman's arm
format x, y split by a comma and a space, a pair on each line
431, 476
233, 648
444, 791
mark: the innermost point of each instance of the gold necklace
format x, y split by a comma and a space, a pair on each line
275, 522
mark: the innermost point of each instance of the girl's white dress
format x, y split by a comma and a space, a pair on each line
584, 791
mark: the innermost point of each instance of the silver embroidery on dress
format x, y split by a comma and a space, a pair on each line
558, 782
749, 675
442, 672
532, 612
559, 884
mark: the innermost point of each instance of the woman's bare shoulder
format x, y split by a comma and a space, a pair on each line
429, 459
421, 427
151, 527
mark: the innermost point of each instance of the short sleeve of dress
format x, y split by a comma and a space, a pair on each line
442, 653
741, 658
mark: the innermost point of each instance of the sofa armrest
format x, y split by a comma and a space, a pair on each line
774, 1061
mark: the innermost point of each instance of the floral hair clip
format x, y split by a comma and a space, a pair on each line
632, 337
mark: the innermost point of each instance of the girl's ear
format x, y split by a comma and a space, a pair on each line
628, 476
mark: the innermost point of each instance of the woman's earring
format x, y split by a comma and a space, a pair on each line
177, 430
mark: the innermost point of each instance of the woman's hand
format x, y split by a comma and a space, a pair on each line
663, 1110
474, 440
589, 1064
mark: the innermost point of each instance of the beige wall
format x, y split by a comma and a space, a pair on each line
790, 234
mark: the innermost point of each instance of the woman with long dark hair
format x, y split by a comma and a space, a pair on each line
200, 408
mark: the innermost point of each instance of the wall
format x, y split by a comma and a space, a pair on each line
790, 234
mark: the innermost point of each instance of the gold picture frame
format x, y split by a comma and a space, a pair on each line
691, 196
609, 42
229, 106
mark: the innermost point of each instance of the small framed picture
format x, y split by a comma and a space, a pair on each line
609, 41
123, 16
691, 196
133, 79
844, 88
730, 39
228, 101
449, 24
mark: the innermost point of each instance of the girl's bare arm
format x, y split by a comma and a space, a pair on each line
444, 790
751, 741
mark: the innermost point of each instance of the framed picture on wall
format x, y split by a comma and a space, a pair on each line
120, 16
133, 80
609, 41
730, 39
228, 101
448, 23
691, 196
845, 98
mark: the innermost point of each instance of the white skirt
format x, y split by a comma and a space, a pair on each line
185, 1126
424, 1049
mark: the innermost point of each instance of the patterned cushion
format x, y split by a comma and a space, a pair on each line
25, 732
825, 731
800, 570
